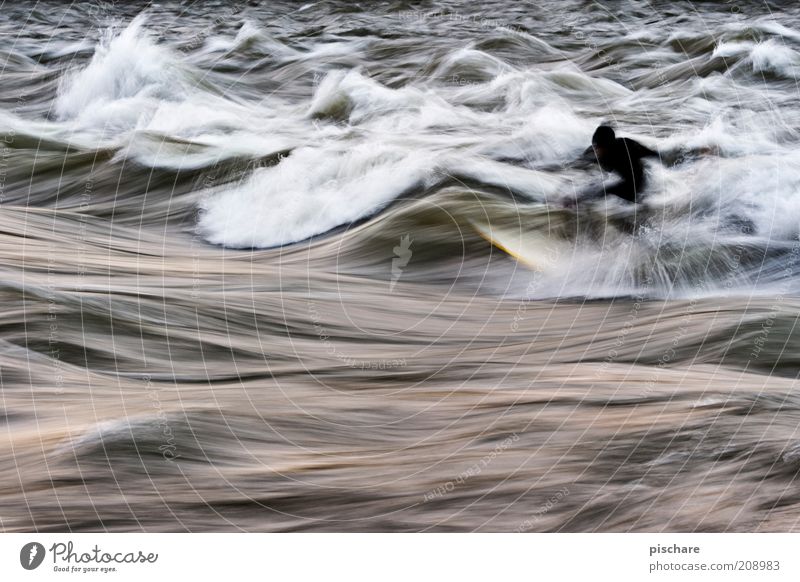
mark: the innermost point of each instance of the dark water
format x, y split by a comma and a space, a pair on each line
246, 283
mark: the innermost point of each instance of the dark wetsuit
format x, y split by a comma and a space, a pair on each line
623, 156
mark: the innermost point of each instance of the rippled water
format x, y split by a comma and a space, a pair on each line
245, 287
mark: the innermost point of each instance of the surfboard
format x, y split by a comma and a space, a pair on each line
533, 249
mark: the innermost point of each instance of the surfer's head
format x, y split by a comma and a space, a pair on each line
602, 141
603, 136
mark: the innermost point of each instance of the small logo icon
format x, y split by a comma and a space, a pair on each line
31, 555
403, 255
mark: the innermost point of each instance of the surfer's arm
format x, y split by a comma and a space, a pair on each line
680, 154
646, 152
639, 151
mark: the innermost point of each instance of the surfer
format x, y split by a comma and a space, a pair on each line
622, 155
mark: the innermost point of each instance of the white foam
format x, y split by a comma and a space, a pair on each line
539, 186
250, 34
773, 57
548, 135
128, 76
360, 97
779, 29
471, 61
310, 192
727, 50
